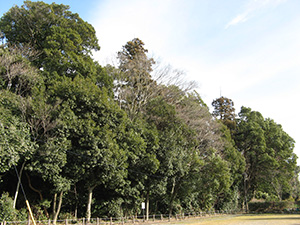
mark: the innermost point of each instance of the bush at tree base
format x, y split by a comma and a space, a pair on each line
274, 207
7, 212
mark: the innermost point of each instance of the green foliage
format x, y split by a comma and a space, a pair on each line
268, 151
232, 156
233, 204
107, 139
64, 41
224, 111
7, 212
15, 142
134, 85
272, 206
213, 180
16, 73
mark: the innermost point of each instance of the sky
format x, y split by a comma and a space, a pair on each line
245, 50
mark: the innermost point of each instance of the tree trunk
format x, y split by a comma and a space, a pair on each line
246, 188
89, 203
147, 206
55, 216
18, 185
76, 205
172, 197
54, 205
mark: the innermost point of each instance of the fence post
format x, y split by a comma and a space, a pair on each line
83, 221
49, 222
154, 217
110, 220
161, 217
122, 220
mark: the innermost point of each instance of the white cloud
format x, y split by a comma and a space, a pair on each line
238, 19
251, 8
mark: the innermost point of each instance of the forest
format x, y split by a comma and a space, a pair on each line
79, 139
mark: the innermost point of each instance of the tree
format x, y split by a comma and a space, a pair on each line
134, 86
186, 133
250, 141
214, 151
224, 111
15, 143
295, 184
51, 156
175, 152
92, 123
64, 41
229, 199
142, 165
268, 151
280, 145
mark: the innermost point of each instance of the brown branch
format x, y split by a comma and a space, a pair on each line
37, 191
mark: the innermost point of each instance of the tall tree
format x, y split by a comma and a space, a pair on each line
250, 140
64, 41
267, 150
224, 110
93, 124
175, 152
134, 86
280, 146
187, 134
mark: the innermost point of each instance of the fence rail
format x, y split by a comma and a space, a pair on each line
124, 220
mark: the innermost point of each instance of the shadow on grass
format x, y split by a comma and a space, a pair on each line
276, 218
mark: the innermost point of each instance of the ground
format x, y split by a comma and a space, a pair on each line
266, 219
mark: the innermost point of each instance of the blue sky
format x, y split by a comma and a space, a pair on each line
247, 50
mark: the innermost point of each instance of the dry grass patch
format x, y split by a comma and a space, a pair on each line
262, 219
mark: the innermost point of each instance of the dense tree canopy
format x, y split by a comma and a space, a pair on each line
224, 110
268, 161
63, 40
92, 141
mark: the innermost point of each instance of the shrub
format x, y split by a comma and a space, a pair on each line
272, 206
7, 212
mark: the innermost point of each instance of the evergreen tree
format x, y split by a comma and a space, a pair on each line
224, 111
63, 40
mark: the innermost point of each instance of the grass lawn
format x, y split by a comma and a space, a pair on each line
262, 219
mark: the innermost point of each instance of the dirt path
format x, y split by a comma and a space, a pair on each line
244, 220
